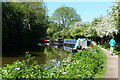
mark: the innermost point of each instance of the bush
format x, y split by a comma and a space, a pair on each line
116, 48
85, 64
89, 63
22, 69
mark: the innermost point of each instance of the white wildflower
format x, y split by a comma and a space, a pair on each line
5, 72
51, 74
17, 68
60, 70
64, 72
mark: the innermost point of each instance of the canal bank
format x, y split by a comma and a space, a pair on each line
84, 64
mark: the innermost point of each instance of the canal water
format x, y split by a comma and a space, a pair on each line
43, 54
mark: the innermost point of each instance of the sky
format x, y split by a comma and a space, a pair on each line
87, 10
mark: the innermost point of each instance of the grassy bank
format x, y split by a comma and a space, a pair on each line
89, 63
116, 48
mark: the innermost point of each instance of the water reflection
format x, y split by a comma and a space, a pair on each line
44, 54
56, 54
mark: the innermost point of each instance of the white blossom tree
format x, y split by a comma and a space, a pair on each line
82, 29
107, 27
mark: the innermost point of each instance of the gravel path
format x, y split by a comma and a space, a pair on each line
112, 65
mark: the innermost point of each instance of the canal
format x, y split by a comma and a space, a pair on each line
43, 54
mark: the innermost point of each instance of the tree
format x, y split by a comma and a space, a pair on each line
52, 29
82, 29
65, 16
24, 23
96, 21
105, 27
115, 15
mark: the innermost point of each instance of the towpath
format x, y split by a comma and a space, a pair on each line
112, 65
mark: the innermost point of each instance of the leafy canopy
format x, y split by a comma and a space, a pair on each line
65, 16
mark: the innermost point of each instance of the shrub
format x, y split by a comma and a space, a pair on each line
116, 48
89, 63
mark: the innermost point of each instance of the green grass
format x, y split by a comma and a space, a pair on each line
116, 48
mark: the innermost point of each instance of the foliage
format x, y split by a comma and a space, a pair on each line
51, 29
108, 26
55, 31
24, 23
89, 63
65, 16
22, 69
105, 45
96, 21
115, 14
105, 27
66, 32
85, 64
116, 48
82, 29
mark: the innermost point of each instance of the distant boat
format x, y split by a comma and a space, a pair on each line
69, 41
46, 41
56, 41
80, 43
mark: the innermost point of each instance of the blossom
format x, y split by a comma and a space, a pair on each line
106, 27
